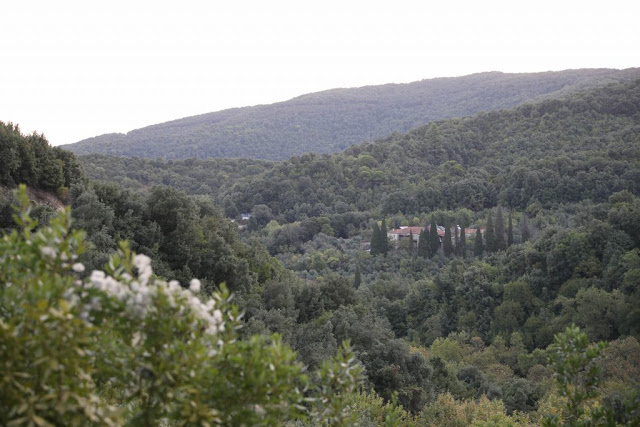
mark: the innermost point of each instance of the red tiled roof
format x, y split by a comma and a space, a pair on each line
440, 231
472, 231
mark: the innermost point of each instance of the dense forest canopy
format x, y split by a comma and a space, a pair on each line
497, 326
333, 120
48, 171
195, 176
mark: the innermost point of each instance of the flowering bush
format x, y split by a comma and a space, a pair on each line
122, 346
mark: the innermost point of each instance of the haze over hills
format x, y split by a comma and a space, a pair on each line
336, 119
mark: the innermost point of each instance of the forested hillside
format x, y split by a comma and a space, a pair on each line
534, 319
584, 147
333, 120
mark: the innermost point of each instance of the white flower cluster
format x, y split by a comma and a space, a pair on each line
51, 253
48, 252
139, 295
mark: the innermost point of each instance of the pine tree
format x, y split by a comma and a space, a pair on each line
463, 242
384, 239
524, 228
510, 231
447, 245
434, 240
423, 244
357, 279
375, 240
490, 235
501, 244
478, 247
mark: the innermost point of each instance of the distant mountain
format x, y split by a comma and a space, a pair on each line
333, 120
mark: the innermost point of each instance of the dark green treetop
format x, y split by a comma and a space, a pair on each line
478, 246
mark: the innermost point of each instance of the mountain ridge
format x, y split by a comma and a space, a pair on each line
335, 119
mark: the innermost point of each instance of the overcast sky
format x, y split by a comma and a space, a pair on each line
77, 69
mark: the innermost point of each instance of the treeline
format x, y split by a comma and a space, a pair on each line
333, 120
30, 160
496, 236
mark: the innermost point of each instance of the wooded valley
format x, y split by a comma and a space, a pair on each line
295, 303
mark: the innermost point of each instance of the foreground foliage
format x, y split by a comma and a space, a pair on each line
125, 347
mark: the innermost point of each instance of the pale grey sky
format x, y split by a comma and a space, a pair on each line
77, 69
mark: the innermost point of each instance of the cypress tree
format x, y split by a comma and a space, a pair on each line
478, 247
384, 245
490, 235
375, 240
357, 279
423, 244
510, 231
501, 244
463, 243
410, 241
456, 241
434, 240
447, 245
524, 228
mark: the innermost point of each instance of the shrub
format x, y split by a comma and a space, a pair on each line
122, 346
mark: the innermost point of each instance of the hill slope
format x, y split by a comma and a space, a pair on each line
333, 120
584, 147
